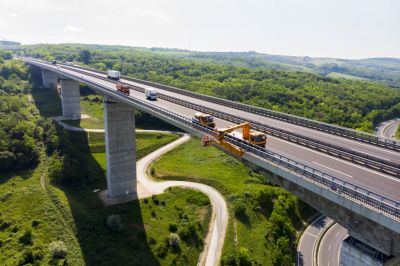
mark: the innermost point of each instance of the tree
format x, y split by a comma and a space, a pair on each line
85, 56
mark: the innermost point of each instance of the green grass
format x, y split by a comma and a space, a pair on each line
398, 133
236, 182
76, 216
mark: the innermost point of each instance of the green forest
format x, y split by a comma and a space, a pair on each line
33, 146
356, 104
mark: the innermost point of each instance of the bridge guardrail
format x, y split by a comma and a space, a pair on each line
359, 195
334, 184
343, 153
321, 126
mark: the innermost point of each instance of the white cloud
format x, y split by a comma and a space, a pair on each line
12, 15
71, 28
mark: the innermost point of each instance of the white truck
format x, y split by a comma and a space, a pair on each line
151, 94
113, 74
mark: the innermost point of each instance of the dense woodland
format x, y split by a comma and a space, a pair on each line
356, 104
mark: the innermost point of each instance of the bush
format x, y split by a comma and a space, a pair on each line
174, 242
244, 257
26, 238
189, 235
173, 227
239, 208
26, 257
114, 223
35, 223
58, 250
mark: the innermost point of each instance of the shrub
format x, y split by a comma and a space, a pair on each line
58, 250
239, 208
189, 235
244, 257
155, 200
26, 238
114, 223
26, 257
173, 227
174, 241
35, 223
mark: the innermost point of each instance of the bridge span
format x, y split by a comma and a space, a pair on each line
349, 176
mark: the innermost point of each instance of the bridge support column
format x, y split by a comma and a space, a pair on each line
70, 98
355, 253
119, 125
50, 79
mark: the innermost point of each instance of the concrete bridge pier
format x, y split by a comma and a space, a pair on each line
356, 253
50, 79
70, 99
119, 125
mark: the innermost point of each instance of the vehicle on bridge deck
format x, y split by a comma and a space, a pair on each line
151, 94
252, 136
54, 62
113, 74
203, 119
123, 88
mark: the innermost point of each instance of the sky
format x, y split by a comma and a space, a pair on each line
318, 28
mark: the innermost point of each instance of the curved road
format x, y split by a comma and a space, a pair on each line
329, 247
388, 129
147, 186
307, 246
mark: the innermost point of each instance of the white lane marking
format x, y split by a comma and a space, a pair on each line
329, 248
371, 155
307, 233
336, 234
342, 161
333, 169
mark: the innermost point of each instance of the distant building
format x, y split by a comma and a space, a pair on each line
9, 45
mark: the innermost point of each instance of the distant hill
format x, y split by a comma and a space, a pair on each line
9, 45
384, 70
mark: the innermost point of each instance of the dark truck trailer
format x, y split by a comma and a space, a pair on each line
123, 88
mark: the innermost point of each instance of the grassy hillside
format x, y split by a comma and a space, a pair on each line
263, 220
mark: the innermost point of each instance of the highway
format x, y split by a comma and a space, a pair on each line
371, 150
388, 129
369, 179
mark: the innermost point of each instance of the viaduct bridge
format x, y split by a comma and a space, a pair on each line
350, 176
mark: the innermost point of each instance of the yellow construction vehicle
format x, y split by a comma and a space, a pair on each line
252, 136
203, 119
219, 140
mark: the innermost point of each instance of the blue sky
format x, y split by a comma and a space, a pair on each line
322, 28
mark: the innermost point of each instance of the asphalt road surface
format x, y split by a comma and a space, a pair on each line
329, 248
388, 129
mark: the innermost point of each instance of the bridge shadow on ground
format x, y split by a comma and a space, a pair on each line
98, 243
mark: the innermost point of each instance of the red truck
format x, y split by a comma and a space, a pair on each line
123, 88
